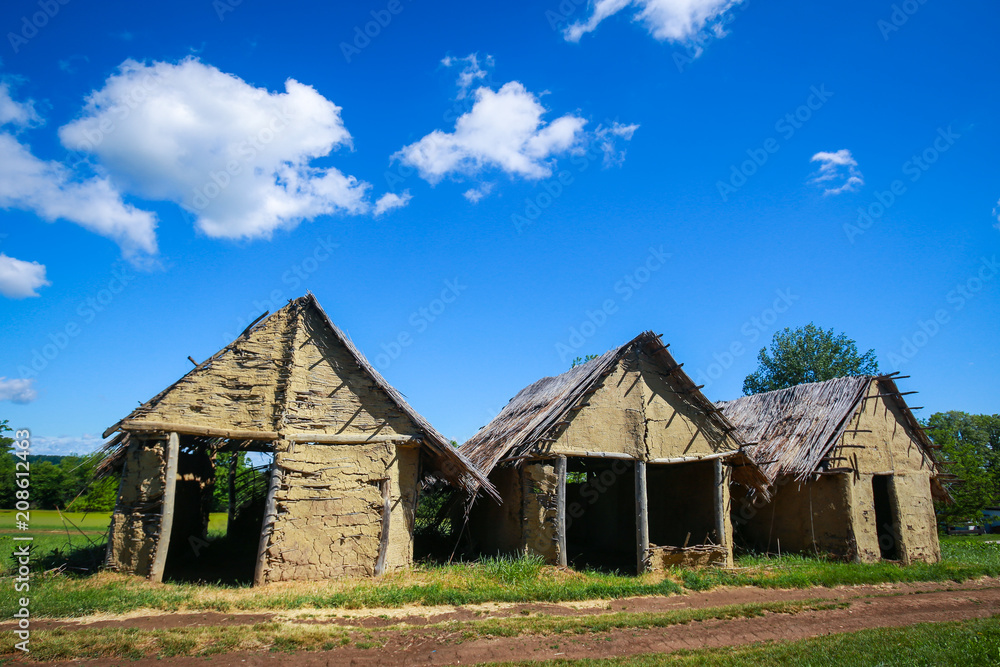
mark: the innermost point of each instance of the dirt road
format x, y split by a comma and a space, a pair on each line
867, 607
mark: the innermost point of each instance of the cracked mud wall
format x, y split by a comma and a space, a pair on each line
135, 524
539, 511
811, 517
635, 411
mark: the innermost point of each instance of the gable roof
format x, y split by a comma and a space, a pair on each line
795, 428
538, 409
274, 356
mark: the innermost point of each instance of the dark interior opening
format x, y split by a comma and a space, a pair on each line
681, 500
888, 532
218, 512
600, 514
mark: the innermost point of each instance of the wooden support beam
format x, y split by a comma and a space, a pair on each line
720, 504
270, 513
686, 459
194, 429
350, 438
383, 545
193, 361
167, 517
641, 518
234, 458
561, 510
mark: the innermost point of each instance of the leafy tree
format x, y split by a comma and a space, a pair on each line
807, 354
972, 444
579, 361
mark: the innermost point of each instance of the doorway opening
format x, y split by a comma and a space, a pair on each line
600, 514
885, 517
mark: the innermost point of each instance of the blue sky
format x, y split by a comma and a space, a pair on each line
503, 186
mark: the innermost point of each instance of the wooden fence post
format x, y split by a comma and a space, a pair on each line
641, 518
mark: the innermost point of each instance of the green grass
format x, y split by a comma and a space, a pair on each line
70, 593
963, 643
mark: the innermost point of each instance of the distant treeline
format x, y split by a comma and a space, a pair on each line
63, 482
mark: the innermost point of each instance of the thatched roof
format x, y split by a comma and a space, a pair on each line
452, 465
795, 428
539, 409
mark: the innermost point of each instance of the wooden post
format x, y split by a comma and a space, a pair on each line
720, 503
561, 510
641, 518
167, 518
270, 510
383, 545
233, 462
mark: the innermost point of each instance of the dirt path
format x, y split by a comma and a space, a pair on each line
870, 607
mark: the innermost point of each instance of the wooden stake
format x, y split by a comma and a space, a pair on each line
167, 518
641, 518
383, 545
270, 512
720, 503
561, 509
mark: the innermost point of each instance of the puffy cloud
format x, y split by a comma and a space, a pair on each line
17, 391
20, 279
390, 201
503, 130
478, 192
52, 191
837, 168
12, 112
673, 20
236, 157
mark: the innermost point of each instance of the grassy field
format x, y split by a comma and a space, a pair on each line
975, 642
77, 591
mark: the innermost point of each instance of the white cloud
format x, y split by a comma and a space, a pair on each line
503, 130
12, 112
237, 157
65, 445
478, 192
20, 279
605, 137
840, 168
17, 391
470, 74
52, 192
673, 20
390, 201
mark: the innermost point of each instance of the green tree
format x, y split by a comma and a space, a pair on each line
971, 443
6, 467
579, 361
807, 354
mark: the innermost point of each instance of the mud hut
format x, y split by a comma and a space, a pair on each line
853, 474
620, 462
345, 458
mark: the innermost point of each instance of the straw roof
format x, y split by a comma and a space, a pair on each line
539, 409
454, 467
795, 428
